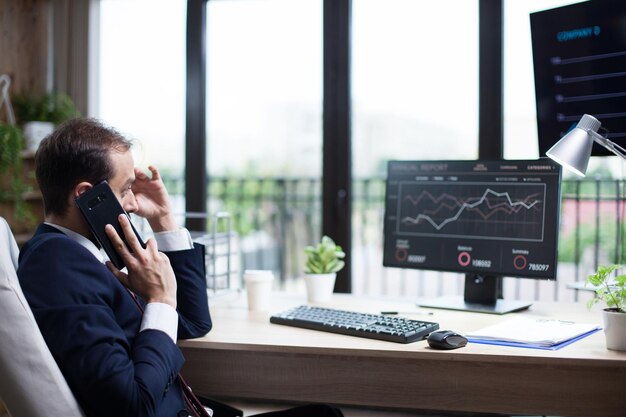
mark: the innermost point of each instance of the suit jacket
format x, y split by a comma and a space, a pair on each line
91, 325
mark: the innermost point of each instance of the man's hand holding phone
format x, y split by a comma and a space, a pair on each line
150, 274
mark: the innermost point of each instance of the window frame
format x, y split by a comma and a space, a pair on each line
336, 167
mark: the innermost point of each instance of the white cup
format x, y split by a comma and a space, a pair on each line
259, 288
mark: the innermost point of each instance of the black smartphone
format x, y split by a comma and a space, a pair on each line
100, 207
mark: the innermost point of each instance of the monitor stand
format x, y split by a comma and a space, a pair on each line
483, 294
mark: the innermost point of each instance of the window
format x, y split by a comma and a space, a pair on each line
520, 116
264, 122
414, 81
264, 87
414, 96
142, 78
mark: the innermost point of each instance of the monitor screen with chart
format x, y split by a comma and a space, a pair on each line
487, 219
579, 60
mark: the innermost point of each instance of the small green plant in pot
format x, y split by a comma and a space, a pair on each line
612, 291
323, 261
39, 115
324, 258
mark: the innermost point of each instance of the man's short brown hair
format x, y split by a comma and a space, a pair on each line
78, 150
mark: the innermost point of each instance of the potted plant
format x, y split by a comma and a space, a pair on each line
39, 115
611, 290
12, 186
323, 261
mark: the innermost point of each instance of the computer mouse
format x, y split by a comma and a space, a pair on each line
446, 339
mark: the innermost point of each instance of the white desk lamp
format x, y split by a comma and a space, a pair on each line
574, 149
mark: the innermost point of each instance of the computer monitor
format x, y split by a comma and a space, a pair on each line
579, 63
487, 219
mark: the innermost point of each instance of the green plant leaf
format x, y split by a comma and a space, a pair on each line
610, 290
55, 107
11, 147
323, 258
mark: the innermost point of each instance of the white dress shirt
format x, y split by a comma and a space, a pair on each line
157, 316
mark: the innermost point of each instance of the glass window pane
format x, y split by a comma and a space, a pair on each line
414, 81
520, 115
264, 118
264, 87
142, 77
414, 96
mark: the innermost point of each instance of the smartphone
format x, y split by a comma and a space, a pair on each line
100, 207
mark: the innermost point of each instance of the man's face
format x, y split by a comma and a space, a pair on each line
122, 181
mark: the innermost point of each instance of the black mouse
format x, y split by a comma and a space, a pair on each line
446, 339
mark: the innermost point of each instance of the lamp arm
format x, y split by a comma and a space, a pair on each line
608, 144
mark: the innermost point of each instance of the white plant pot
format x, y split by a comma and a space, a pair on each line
614, 330
35, 132
319, 287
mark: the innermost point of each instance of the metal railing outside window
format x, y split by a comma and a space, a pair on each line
276, 217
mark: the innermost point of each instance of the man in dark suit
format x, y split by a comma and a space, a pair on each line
113, 333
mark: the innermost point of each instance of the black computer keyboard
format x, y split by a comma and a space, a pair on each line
373, 326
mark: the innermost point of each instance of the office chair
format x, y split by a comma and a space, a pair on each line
31, 384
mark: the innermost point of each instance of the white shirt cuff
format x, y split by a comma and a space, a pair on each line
174, 241
160, 316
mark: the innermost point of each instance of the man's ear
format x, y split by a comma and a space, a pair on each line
81, 187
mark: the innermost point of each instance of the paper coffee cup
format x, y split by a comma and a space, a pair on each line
259, 288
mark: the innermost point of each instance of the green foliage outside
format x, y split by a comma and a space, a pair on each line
243, 199
590, 189
586, 236
597, 185
254, 203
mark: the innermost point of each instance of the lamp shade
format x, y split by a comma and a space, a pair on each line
574, 149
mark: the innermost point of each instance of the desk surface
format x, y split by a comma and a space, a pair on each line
245, 356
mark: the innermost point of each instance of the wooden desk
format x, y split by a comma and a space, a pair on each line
245, 356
